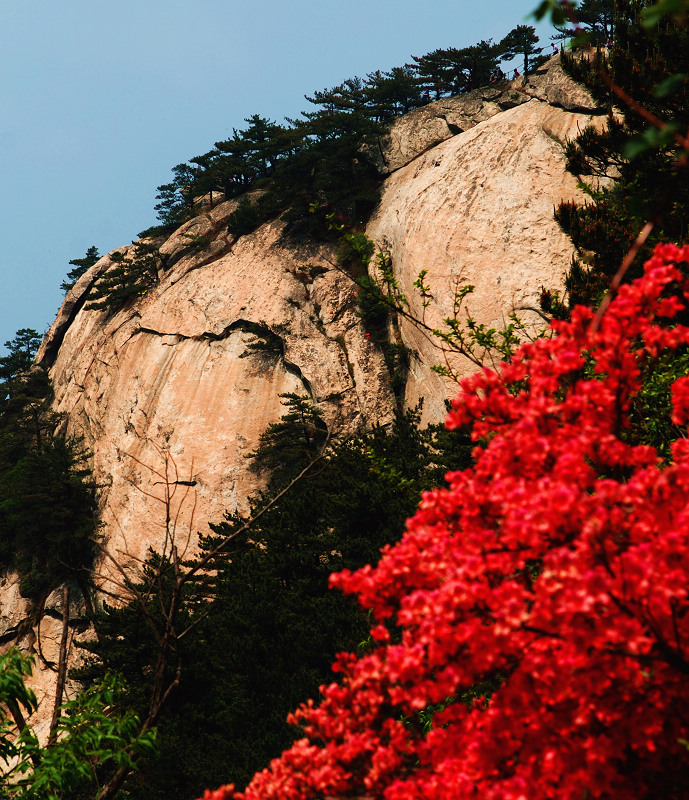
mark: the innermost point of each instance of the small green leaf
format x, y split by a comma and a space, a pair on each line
552, 8
652, 15
650, 139
670, 84
581, 39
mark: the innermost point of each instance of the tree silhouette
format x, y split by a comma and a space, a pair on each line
81, 265
521, 40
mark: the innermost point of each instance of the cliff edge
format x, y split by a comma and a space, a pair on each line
169, 391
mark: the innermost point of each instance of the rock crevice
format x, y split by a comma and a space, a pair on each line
422, 129
475, 205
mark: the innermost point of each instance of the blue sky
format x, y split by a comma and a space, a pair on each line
99, 100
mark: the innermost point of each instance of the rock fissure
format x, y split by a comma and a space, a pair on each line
452, 127
238, 325
14, 634
241, 325
479, 207
51, 344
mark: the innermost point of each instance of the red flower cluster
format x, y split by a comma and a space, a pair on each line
558, 566
223, 793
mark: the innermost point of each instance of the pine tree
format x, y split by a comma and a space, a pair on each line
130, 276
260, 136
477, 62
347, 96
286, 447
389, 94
177, 197
47, 517
521, 40
81, 265
641, 163
22, 350
25, 396
330, 168
596, 18
47, 501
438, 73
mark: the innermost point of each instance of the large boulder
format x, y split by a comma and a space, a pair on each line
477, 210
414, 133
171, 381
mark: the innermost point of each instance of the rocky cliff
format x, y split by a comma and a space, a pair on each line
469, 196
174, 374
170, 382
470, 199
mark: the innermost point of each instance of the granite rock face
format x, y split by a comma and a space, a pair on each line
171, 381
477, 210
424, 128
470, 195
168, 391
171, 378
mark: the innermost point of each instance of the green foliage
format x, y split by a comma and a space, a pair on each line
597, 153
319, 158
588, 23
197, 242
650, 415
461, 334
602, 231
15, 697
374, 308
521, 40
92, 738
81, 265
286, 447
455, 70
392, 93
47, 500
25, 395
177, 197
651, 67
157, 231
126, 640
354, 250
266, 626
477, 341
245, 218
268, 341
551, 9
397, 362
439, 73
130, 276
675, 9
47, 517
650, 62
22, 350
381, 299
331, 167
248, 155
26, 420
597, 17
551, 303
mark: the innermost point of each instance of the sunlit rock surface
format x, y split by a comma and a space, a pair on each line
171, 382
477, 209
168, 394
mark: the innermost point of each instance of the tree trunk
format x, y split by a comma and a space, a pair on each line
61, 667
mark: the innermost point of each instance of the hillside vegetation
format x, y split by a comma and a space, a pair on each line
526, 636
